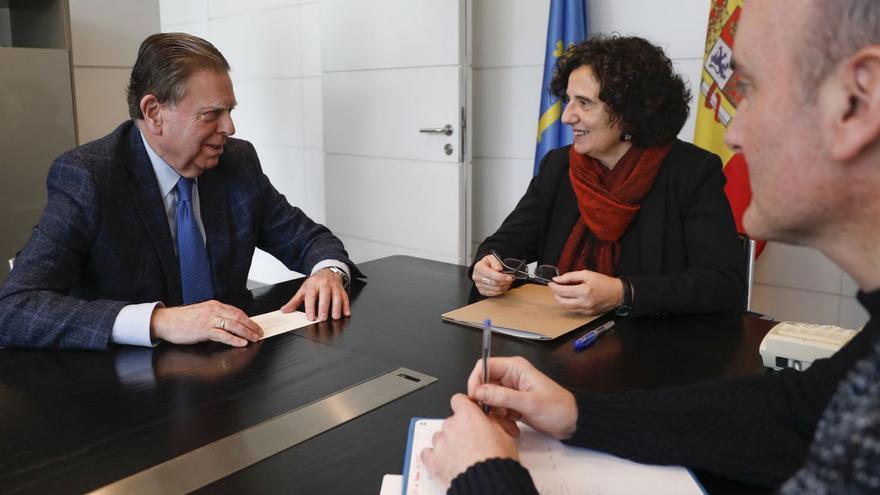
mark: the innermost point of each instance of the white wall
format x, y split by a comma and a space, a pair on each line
273, 47
508, 64
105, 36
798, 283
509, 37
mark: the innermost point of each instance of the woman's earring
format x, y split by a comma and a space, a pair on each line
627, 137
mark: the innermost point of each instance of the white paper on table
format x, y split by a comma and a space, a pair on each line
276, 322
392, 484
559, 469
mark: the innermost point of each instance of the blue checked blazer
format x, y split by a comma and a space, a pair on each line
103, 241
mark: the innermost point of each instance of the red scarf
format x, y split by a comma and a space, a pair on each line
608, 200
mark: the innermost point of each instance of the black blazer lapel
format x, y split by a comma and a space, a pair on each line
144, 190
652, 222
563, 215
215, 213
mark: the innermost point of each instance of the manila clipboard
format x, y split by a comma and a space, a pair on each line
528, 311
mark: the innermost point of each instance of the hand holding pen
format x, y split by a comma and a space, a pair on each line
590, 337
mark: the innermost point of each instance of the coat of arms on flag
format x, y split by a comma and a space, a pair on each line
719, 91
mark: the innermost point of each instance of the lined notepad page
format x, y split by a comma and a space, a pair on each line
559, 469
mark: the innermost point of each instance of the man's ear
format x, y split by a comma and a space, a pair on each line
152, 111
856, 123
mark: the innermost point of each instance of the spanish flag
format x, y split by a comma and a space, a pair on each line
717, 103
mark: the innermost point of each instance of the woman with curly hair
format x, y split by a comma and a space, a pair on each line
635, 220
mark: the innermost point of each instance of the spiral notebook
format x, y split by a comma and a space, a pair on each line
556, 468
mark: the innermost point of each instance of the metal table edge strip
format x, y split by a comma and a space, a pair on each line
216, 460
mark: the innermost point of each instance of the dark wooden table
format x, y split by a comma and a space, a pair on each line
75, 421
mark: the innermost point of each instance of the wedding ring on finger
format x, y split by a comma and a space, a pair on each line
485, 280
222, 325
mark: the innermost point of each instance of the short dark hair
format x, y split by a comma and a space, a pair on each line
637, 83
164, 62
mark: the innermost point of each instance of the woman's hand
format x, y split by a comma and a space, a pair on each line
489, 279
587, 292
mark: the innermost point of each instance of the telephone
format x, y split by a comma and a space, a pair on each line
792, 344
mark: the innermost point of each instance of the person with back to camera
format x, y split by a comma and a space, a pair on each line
634, 219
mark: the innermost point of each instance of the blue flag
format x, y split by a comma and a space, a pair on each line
567, 26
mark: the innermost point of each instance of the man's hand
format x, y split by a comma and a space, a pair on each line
209, 320
488, 278
519, 391
467, 437
587, 292
321, 292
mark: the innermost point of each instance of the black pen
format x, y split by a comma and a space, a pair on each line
487, 350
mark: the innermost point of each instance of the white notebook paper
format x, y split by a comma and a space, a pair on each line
276, 322
557, 469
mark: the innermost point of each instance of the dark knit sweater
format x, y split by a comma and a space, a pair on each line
756, 429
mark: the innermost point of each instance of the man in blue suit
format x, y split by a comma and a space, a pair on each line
148, 226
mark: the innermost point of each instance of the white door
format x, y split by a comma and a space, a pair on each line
397, 164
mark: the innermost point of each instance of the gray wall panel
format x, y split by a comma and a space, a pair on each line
36, 125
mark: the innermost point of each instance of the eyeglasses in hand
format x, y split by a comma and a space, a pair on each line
519, 270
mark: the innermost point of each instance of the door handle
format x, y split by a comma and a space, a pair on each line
447, 130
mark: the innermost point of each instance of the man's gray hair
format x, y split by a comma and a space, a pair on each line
164, 62
836, 30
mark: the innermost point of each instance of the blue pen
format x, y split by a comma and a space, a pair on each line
487, 350
592, 336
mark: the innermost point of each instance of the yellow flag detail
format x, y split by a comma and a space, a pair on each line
548, 118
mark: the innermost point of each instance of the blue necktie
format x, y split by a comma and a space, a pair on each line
195, 270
